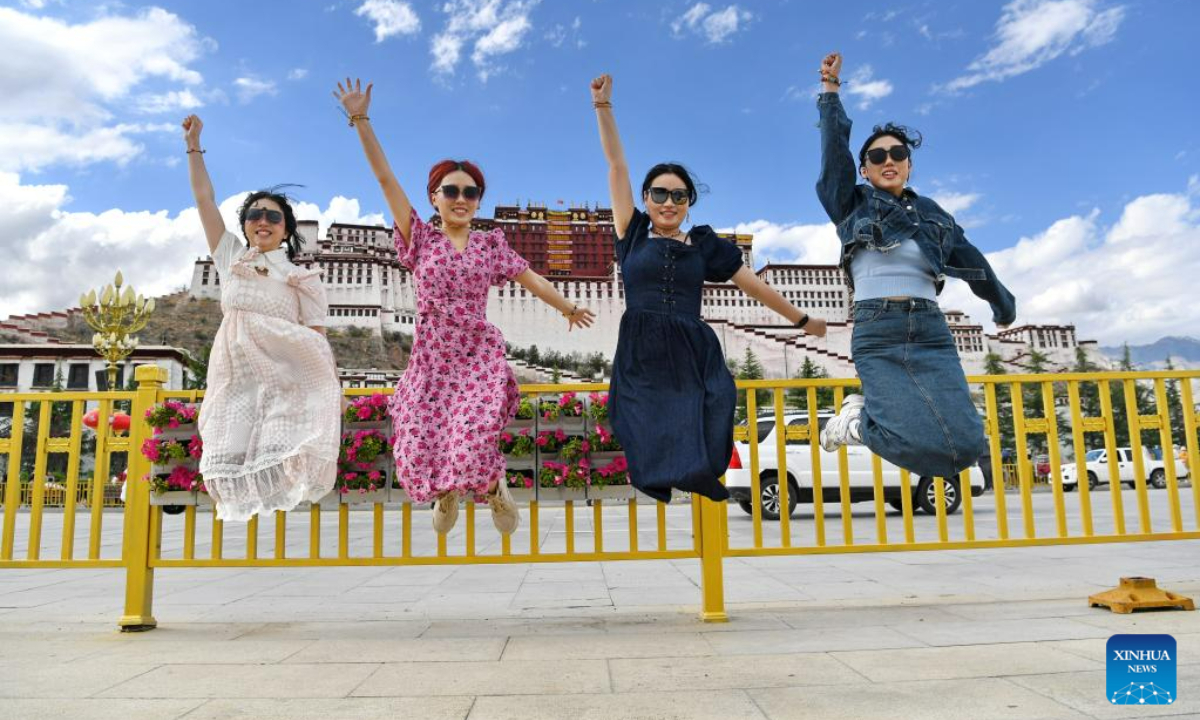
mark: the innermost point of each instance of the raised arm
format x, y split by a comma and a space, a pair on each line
752, 285
357, 102
618, 170
836, 185
202, 189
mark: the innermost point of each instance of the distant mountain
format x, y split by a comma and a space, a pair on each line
1183, 351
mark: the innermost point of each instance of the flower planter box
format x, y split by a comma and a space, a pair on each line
611, 492
175, 497
329, 501
519, 424
371, 497
398, 496
183, 432
525, 462
522, 496
563, 422
560, 495
382, 425
604, 457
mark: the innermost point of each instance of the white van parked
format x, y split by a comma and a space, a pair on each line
799, 475
1096, 464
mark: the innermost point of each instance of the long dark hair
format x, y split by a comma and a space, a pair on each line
291, 239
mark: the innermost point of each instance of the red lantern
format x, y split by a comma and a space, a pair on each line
120, 422
91, 418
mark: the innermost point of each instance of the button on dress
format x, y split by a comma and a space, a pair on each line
672, 396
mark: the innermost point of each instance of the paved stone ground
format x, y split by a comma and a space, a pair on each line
1002, 633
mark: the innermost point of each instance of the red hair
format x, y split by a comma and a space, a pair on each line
439, 172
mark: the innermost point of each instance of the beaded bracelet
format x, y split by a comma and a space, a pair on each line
354, 118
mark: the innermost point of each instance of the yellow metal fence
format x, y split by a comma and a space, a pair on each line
842, 509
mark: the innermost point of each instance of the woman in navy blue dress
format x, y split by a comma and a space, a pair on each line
672, 397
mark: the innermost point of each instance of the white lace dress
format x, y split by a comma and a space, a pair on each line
270, 420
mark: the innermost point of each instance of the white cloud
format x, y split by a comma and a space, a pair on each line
171, 101
715, 26
1130, 281
25, 146
53, 254
1031, 33
391, 17
559, 34
863, 85
791, 243
249, 88
297, 74
65, 83
955, 202
496, 28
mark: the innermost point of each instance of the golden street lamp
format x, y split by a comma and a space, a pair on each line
115, 315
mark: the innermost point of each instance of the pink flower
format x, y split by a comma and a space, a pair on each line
364, 413
349, 477
173, 423
374, 476
528, 482
345, 491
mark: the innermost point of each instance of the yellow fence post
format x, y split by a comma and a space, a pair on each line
139, 575
712, 570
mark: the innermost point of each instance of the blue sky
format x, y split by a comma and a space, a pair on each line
1060, 132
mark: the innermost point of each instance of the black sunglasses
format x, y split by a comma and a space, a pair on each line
255, 214
451, 192
660, 195
878, 156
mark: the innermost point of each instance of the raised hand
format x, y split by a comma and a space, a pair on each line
815, 326
353, 98
602, 89
831, 66
191, 131
582, 317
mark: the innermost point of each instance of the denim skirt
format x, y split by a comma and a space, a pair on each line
918, 412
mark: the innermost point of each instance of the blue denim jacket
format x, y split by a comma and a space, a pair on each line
876, 219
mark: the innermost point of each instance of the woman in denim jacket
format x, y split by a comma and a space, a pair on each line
897, 249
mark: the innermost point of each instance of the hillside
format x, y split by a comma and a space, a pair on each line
1183, 351
191, 323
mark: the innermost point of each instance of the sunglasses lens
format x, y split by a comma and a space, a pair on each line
274, 217
877, 156
899, 153
658, 195
470, 192
679, 197
450, 192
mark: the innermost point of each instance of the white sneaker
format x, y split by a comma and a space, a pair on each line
505, 515
843, 428
445, 513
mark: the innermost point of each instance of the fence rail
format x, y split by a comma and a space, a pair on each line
844, 497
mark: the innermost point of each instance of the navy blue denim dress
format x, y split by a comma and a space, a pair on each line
672, 397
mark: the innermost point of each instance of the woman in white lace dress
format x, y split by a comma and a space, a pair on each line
270, 417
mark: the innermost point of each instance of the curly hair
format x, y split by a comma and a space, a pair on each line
907, 135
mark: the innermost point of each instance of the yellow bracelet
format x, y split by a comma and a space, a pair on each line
354, 118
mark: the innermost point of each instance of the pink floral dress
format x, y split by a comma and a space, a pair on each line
458, 392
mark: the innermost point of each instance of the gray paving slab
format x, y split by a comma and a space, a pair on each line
731, 673
327, 680
97, 709
440, 708
969, 661
991, 698
771, 642
660, 705
602, 646
1087, 693
516, 677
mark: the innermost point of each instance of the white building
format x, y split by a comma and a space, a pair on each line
368, 288
34, 367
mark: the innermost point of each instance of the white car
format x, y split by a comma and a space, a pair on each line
799, 473
1096, 463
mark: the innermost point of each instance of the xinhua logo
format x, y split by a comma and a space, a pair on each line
1141, 670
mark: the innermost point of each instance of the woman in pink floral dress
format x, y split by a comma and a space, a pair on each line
458, 392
